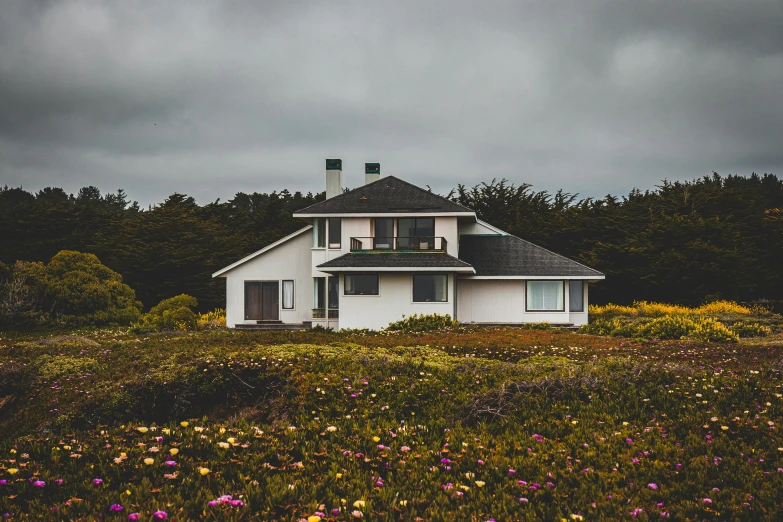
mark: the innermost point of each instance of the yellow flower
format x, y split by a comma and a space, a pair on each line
204, 471
223, 445
358, 504
313, 518
724, 428
13, 450
123, 454
222, 430
12, 471
480, 483
142, 429
127, 492
231, 440
67, 448
184, 424
376, 439
403, 503
166, 431
173, 451
576, 517
148, 461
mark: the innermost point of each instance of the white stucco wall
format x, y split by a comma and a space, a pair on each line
394, 301
503, 301
290, 260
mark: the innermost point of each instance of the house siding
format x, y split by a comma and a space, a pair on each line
290, 260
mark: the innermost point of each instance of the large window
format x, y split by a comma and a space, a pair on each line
319, 233
288, 295
576, 296
545, 296
430, 288
361, 284
384, 233
335, 232
416, 233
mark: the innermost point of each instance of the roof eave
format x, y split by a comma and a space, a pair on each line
333, 270
385, 214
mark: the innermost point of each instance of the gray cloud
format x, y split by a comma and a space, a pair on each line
210, 97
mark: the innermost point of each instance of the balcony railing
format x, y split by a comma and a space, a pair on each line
324, 313
430, 243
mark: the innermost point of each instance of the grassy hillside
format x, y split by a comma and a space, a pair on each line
468, 424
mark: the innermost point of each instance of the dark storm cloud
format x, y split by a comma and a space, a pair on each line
214, 97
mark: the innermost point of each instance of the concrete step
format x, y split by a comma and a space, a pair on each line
272, 326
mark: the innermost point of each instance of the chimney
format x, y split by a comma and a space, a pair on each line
372, 172
334, 171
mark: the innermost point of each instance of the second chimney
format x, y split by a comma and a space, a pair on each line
372, 172
334, 171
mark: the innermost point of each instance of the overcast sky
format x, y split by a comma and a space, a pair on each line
214, 97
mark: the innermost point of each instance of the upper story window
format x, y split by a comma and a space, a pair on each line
335, 232
384, 233
418, 233
319, 233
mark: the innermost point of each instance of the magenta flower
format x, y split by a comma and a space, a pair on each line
39, 483
480, 462
160, 515
523, 500
116, 508
97, 481
3, 482
237, 503
134, 516
707, 501
171, 463
652, 486
58, 481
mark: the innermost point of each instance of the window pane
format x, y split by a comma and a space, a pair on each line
545, 295
288, 295
318, 292
406, 229
361, 284
334, 292
384, 233
319, 231
335, 232
428, 288
425, 227
576, 296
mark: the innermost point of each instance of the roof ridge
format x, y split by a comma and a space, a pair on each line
343, 194
431, 192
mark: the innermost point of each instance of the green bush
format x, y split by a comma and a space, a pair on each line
174, 313
710, 329
744, 329
422, 323
600, 327
667, 327
51, 368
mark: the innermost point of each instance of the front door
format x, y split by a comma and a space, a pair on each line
262, 301
270, 301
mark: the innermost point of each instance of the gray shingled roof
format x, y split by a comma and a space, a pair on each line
388, 195
412, 260
499, 255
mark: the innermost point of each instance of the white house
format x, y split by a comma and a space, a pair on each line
388, 249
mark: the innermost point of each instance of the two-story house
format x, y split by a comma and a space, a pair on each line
388, 249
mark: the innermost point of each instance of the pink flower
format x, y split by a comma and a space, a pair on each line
171, 463
160, 515
511, 471
707, 501
652, 486
134, 516
39, 483
524, 500
116, 508
97, 481
480, 462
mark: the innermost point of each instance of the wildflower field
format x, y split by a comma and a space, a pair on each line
457, 424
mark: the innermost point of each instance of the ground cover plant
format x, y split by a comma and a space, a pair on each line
455, 424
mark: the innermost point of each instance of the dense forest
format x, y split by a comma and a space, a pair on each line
684, 242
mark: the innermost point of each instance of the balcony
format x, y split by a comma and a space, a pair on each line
388, 244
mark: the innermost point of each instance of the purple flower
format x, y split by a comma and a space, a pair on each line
480, 462
134, 516
511, 471
171, 463
39, 483
160, 515
707, 501
336, 511
58, 481
652, 486
237, 503
212, 503
524, 500
3, 482
115, 508
97, 481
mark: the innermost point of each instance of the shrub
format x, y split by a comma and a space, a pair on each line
174, 313
214, 319
422, 323
744, 329
668, 327
81, 290
538, 326
600, 327
659, 309
710, 329
721, 307
51, 368
612, 310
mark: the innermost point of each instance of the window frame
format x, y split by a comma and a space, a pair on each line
339, 243
377, 279
527, 293
581, 302
413, 291
319, 233
282, 294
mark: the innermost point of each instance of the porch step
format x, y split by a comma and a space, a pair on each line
269, 321
273, 326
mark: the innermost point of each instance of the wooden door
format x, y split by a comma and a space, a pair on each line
253, 309
270, 301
